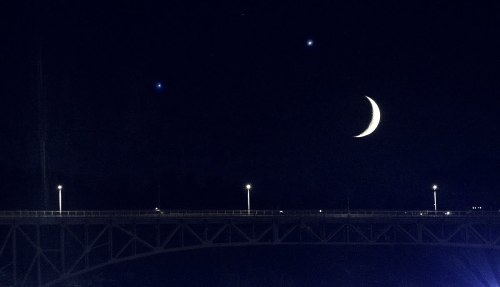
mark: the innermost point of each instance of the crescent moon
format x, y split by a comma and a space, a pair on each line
375, 119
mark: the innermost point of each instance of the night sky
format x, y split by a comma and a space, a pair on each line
245, 97
188, 101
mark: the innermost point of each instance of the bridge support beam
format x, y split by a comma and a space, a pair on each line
42, 251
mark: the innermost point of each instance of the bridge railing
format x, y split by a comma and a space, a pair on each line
205, 213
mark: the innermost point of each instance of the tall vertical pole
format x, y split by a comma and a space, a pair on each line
248, 186
434, 188
60, 197
435, 202
42, 133
42, 113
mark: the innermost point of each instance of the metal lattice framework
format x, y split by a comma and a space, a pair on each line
43, 248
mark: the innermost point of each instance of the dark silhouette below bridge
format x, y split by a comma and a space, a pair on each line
43, 248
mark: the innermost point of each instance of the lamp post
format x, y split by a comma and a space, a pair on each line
60, 197
248, 187
434, 188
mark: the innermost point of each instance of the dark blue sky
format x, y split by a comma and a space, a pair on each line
244, 99
294, 266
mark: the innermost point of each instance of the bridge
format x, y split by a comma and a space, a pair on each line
44, 248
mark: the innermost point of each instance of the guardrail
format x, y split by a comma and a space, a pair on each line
208, 213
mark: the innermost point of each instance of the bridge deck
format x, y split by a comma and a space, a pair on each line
277, 213
41, 248
150, 216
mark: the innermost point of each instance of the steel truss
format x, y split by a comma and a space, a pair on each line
43, 251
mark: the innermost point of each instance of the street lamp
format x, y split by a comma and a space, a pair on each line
434, 188
60, 197
248, 187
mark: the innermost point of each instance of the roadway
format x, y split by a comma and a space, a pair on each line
252, 213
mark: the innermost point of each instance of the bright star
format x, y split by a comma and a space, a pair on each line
309, 43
